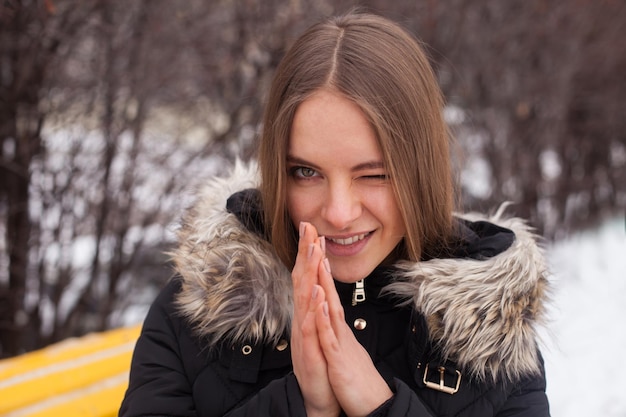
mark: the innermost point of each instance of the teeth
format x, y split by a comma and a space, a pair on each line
349, 240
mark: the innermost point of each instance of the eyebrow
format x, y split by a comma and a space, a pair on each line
359, 167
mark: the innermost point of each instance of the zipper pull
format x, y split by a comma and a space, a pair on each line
359, 292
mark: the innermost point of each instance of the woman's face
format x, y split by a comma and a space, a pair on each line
337, 181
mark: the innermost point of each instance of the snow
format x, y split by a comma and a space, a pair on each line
585, 344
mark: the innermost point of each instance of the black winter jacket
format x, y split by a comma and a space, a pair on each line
452, 335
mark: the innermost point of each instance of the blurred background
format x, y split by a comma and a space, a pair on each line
113, 111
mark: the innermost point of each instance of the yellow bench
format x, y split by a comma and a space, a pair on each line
84, 377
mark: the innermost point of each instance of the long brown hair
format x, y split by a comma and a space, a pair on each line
385, 71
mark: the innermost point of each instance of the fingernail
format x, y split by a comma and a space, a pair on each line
323, 244
311, 248
327, 265
302, 229
315, 292
325, 308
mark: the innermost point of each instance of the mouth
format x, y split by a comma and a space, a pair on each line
348, 240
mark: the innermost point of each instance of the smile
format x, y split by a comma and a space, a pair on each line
349, 240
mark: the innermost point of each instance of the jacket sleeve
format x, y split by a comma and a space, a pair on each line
158, 385
527, 400
404, 403
280, 398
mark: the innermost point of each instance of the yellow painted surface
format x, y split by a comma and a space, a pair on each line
66, 350
84, 376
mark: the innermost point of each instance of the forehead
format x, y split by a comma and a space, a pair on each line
331, 127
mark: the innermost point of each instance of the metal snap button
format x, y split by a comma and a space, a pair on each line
282, 345
360, 324
246, 350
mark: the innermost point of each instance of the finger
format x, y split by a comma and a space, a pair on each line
299, 264
335, 309
330, 309
308, 280
318, 296
308, 235
308, 329
305, 274
325, 332
309, 352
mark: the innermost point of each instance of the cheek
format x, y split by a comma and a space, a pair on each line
385, 207
298, 204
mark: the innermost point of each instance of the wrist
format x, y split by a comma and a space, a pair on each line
314, 412
383, 409
376, 405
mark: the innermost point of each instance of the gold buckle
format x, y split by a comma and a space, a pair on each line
442, 383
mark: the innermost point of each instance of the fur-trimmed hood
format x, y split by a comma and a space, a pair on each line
481, 313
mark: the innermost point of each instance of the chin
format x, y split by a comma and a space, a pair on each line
350, 277
348, 280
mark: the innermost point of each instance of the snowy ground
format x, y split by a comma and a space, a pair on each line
585, 349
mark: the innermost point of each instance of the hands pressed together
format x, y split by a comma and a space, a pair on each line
332, 368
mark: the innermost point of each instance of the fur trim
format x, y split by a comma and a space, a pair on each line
234, 286
481, 313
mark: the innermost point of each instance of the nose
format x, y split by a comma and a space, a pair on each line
342, 206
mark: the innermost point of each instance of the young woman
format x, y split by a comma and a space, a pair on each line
340, 282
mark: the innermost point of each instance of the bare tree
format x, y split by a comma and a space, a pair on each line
111, 112
31, 34
542, 87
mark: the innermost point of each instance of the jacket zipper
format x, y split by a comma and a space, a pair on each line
359, 292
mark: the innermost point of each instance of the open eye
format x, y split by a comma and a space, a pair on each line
303, 172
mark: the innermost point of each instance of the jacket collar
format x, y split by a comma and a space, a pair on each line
482, 304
